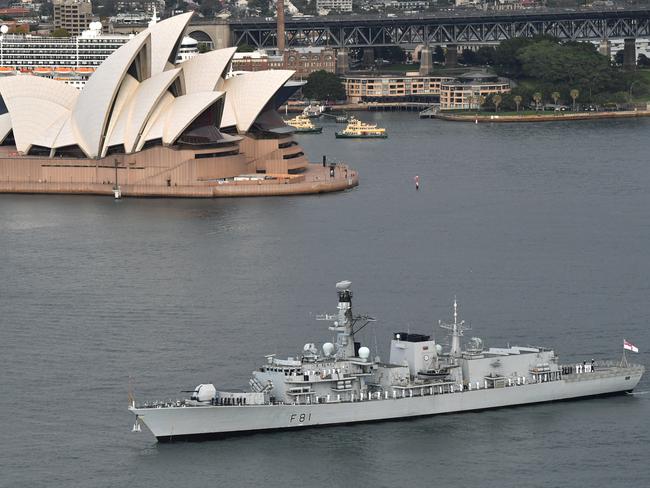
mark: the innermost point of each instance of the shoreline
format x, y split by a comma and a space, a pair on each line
541, 117
315, 180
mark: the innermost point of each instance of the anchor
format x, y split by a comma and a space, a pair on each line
136, 426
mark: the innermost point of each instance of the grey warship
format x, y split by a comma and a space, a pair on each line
339, 383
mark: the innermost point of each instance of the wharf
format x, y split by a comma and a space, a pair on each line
364, 107
316, 179
542, 117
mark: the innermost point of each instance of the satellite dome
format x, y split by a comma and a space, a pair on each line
364, 353
438, 349
4, 29
328, 349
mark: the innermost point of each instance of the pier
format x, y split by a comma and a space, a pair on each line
315, 179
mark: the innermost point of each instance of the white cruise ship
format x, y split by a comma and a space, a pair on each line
69, 59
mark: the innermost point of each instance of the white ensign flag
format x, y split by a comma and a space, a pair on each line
629, 346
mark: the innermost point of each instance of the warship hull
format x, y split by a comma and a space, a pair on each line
202, 422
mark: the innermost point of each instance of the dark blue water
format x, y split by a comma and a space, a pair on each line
542, 231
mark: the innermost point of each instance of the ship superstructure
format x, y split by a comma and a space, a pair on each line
339, 382
303, 124
357, 129
66, 58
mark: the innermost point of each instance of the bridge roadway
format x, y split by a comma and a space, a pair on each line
444, 27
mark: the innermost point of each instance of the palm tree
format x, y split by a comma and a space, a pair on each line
555, 96
517, 99
473, 101
537, 96
496, 100
574, 94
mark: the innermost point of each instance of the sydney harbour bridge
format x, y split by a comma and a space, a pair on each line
458, 27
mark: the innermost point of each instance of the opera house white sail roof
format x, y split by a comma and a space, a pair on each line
137, 95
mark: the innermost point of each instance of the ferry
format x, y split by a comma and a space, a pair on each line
313, 111
303, 125
360, 130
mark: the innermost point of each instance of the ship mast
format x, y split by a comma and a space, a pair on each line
456, 328
344, 323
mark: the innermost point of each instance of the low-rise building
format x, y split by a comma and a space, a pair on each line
411, 87
338, 5
465, 92
303, 61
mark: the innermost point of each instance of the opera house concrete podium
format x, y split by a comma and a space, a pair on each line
157, 129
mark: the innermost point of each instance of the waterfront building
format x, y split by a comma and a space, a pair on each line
338, 5
464, 92
411, 87
154, 127
410, 4
147, 6
303, 61
72, 15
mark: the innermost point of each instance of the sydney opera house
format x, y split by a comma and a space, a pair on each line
156, 128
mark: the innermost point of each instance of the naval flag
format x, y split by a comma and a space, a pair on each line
629, 346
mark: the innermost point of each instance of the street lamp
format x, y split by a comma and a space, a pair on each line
630, 92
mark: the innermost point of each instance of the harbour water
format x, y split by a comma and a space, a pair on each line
540, 230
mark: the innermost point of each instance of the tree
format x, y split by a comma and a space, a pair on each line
393, 54
60, 32
481, 101
485, 55
245, 48
619, 57
517, 99
323, 85
438, 55
496, 100
473, 101
555, 96
643, 61
537, 97
574, 94
468, 57
505, 58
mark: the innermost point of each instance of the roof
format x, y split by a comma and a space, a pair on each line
202, 72
248, 94
91, 114
137, 95
166, 36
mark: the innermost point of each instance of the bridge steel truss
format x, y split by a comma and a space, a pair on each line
353, 33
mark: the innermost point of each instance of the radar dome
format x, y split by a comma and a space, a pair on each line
4, 29
438, 349
364, 353
343, 285
96, 26
328, 349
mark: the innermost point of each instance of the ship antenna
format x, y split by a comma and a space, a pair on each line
131, 396
457, 328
